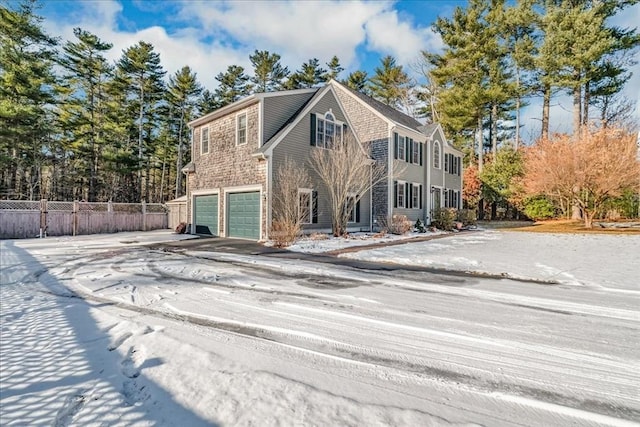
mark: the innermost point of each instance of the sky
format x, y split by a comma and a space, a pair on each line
211, 35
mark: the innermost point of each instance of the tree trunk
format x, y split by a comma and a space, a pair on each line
517, 137
577, 106
546, 103
140, 133
585, 107
179, 160
480, 144
494, 129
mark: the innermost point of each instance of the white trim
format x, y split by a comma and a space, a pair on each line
242, 189
260, 123
415, 186
269, 186
404, 194
238, 105
246, 128
205, 192
390, 172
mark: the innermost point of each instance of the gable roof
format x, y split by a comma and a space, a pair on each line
387, 111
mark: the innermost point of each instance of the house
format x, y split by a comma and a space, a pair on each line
237, 149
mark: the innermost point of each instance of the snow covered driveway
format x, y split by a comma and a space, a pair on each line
100, 330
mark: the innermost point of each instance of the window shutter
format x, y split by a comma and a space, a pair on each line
421, 144
407, 149
410, 200
313, 129
314, 207
459, 165
420, 190
395, 194
395, 145
406, 195
451, 158
358, 211
446, 162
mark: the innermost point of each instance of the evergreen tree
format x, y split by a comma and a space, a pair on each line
182, 91
207, 102
142, 78
334, 69
308, 76
233, 85
390, 83
26, 93
268, 73
82, 114
358, 81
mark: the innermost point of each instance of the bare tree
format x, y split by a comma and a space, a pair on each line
348, 173
587, 172
289, 211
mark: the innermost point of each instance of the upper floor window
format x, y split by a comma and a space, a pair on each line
436, 155
241, 129
204, 140
417, 153
326, 130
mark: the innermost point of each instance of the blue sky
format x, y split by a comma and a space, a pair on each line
211, 35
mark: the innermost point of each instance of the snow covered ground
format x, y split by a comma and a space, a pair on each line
101, 330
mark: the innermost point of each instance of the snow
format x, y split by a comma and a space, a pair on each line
102, 330
328, 243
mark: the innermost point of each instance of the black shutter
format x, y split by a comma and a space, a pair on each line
446, 162
395, 194
459, 165
421, 144
406, 193
407, 154
313, 129
451, 170
314, 207
395, 145
420, 190
358, 211
410, 203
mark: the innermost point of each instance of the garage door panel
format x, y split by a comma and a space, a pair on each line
206, 214
244, 215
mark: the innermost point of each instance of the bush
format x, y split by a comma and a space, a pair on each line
419, 226
466, 217
444, 218
400, 224
284, 233
539, 208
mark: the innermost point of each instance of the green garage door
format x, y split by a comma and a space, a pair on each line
206, 214
243, 216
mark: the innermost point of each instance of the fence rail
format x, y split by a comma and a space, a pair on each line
21, 219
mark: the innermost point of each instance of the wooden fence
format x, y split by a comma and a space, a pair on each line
21, 219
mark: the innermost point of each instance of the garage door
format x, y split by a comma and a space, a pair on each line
244, 215
206, 214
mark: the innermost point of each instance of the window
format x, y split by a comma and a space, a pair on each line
353, 207
400, 196
447, 157
401, 147
436, 155
204, 140
305, 205
417, 150
241, 129
328, 130
416, 196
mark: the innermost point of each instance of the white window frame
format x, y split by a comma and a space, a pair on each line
309, 193
415, 195
322, 137
436, 155
204, 131
239, 140
415, 155
401, 148
401, 194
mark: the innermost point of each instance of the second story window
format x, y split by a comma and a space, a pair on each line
328, 131
204, 140
436, 155
241, 129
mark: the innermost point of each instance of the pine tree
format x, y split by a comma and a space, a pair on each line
334, 69
308, 76
207, 102
268, 73
358, 81
233, 85
83, 113
27, 86
390, 83
182, 91
142, 77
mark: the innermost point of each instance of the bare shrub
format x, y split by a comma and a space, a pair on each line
288, 212
318, 236
400, 224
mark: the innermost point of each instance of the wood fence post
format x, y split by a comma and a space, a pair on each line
144, 215
74, 217
110, 217
43, 218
